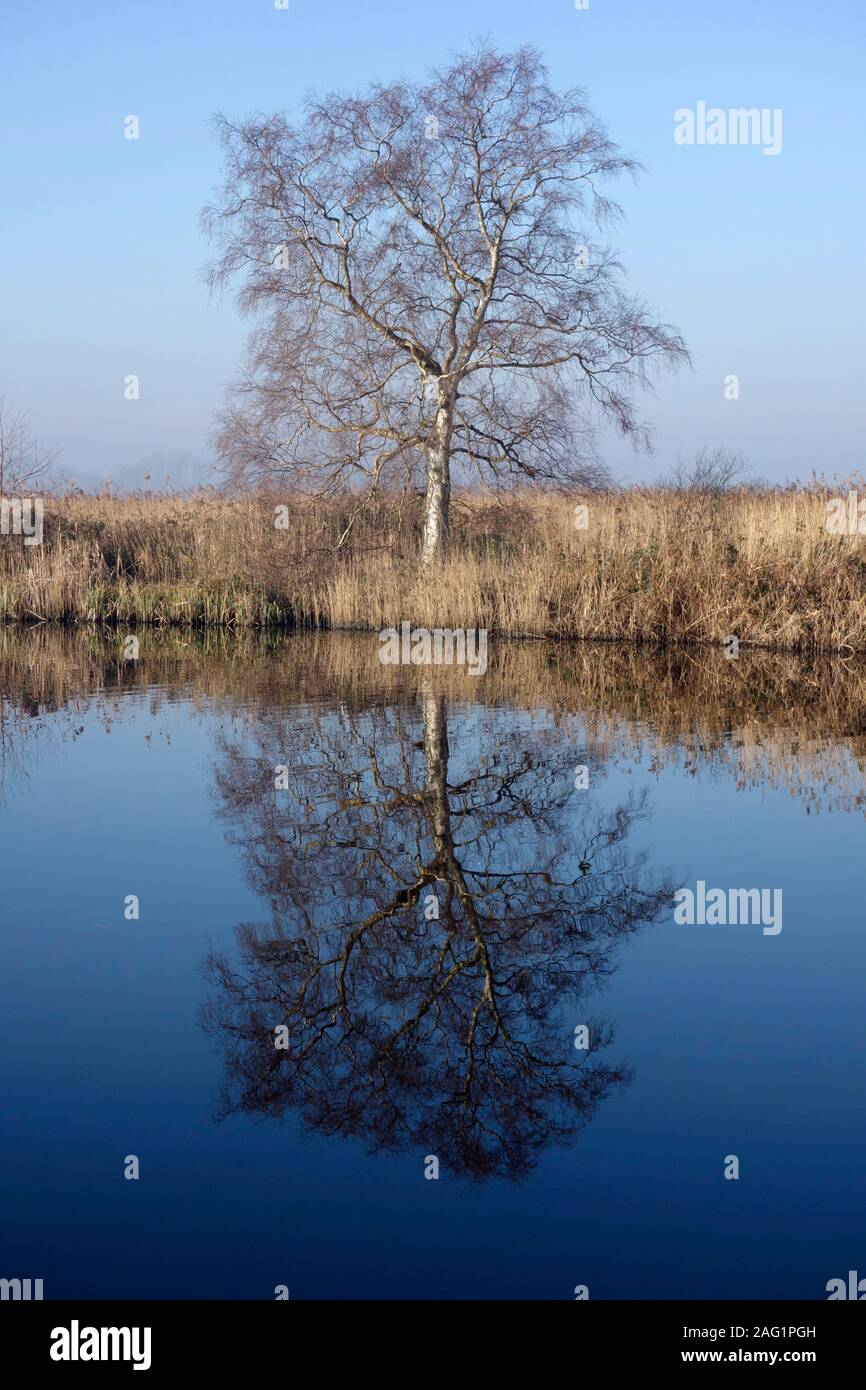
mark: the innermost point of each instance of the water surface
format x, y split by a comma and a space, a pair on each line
428, 905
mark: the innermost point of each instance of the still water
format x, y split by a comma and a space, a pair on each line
431, 891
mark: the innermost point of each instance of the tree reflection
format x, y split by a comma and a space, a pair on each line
437, 918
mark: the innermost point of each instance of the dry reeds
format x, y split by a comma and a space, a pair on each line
653, 565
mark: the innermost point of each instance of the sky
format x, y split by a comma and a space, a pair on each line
757, 259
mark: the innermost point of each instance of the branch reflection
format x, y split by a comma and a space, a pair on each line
436, 921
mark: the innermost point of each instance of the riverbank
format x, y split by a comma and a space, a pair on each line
650, 565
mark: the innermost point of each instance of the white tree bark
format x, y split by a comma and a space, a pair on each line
437, 500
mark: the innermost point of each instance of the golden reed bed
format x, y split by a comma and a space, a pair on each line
653, 565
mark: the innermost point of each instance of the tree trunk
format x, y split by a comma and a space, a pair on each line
436, 503
436, 755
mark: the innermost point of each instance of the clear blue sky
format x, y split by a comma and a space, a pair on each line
757, 260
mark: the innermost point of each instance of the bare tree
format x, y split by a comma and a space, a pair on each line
711, 472
430, 295
23, 461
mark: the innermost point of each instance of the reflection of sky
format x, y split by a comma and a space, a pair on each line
739, 1043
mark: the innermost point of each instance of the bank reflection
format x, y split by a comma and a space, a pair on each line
442, 906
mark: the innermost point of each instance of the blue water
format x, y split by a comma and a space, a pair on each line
310, 1172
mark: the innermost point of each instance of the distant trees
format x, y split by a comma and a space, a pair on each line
710, 472
429, 291
24, 464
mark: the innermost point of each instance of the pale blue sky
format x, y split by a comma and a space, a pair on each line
757, 260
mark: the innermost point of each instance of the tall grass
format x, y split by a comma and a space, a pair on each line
654, 565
